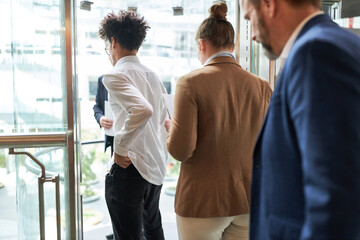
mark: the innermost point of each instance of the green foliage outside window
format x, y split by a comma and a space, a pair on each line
87, 160
172, 168
2, 159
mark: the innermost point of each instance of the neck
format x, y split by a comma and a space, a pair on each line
212, 51
288, 19
122, 52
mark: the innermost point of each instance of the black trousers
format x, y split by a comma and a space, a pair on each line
133, 204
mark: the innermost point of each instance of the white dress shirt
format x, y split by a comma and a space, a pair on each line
136, 100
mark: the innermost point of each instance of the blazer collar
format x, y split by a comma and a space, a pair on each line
315, 20
224, 59
290, 42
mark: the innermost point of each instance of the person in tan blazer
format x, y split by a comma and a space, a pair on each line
218, 112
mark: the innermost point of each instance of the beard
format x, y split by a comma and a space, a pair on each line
269, 52
264, 39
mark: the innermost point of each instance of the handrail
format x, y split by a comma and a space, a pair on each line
41, 140
43, 175
36, 170
30, 140
41, 180
92, 142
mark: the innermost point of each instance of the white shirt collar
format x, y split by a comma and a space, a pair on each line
131, 58
285, 52
218, 54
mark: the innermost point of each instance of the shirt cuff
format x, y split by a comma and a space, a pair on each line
122, 151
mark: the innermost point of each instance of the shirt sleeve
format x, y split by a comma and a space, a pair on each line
181, 142
138, 109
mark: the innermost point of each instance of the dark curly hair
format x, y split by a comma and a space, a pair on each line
127, 28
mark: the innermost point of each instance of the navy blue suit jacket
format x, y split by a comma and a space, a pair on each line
99, 110
306, 175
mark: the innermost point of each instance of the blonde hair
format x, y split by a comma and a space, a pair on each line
216, 29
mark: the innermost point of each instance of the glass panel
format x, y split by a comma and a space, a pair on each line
245, 43
8, 214
169, 50
32, 100
6, 89
27, 182
32, 69
19, 194
252, 54
352, 24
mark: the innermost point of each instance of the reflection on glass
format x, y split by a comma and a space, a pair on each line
19, 212
8, 214
32, 100
31, 95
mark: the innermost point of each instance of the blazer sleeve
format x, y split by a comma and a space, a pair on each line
181, 142
99, 101
324, 100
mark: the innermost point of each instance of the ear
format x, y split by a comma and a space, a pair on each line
270, 7
113, 42
202, 45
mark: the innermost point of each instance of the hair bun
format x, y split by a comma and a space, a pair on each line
218, 11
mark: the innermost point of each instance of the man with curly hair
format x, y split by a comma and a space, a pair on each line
135, 94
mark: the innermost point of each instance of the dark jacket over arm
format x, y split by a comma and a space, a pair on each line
99, 109
101, 97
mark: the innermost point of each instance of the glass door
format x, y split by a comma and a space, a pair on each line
251, 55
170, 51
38, 134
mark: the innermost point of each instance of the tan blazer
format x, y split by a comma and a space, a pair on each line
218, 112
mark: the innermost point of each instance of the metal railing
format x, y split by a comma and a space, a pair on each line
41, 180
39, 140
33, 140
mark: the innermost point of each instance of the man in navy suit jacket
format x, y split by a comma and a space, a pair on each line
306, 174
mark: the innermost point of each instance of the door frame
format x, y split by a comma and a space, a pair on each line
71, 136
